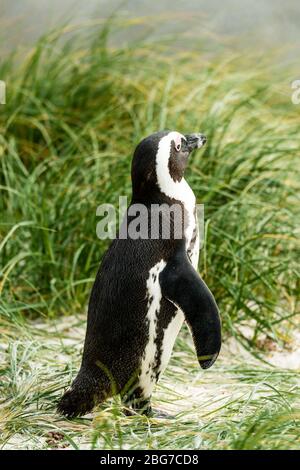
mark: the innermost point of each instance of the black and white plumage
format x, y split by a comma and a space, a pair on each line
145, 289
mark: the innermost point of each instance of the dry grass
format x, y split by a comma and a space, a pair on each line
240, 403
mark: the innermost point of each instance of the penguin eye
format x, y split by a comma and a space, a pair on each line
178, 145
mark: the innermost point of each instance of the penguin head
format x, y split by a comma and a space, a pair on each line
160, 160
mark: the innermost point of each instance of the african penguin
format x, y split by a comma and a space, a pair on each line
146, 287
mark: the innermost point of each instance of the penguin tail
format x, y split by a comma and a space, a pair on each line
84, 394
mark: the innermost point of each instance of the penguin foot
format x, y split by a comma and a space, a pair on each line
159, 414
133, 411
149, 412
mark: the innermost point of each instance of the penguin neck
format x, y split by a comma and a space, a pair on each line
175, 190
182, 192
178, 190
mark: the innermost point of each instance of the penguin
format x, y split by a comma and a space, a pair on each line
146, 287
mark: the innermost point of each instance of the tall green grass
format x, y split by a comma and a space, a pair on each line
76, 109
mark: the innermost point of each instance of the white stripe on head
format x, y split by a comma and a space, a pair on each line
178, 190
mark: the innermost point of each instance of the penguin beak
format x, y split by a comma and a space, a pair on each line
195, 141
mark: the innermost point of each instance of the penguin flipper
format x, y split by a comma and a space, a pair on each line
181, 284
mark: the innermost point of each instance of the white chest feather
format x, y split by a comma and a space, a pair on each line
146, 380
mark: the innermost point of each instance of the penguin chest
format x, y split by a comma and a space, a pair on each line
160, 341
